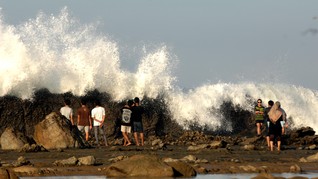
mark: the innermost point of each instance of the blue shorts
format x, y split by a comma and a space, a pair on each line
138, 127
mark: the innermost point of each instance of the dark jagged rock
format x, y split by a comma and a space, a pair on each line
23, 115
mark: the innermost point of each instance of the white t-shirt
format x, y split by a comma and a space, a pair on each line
66, 111
98, 113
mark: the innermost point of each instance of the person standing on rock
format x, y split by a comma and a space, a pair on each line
126, 122
259, 116
84, 121
67, 111
267, 121
136, 118
275, 128
98, 116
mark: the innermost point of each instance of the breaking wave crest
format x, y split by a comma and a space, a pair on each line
63, 55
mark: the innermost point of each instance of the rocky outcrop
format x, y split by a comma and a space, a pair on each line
12, 140
149, 166
140, 166
56, 132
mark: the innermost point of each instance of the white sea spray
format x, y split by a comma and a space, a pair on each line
63, 55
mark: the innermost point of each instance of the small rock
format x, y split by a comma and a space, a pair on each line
295, 169
66, 162
88, 160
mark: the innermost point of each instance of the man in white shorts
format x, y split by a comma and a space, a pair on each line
126, 122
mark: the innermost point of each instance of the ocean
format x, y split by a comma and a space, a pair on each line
219, 176
63, 55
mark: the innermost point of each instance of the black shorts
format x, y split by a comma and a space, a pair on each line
259, 121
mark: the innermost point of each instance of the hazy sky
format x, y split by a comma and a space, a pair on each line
214, 40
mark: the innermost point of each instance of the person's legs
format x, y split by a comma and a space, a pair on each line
138, 129
101, 129
126, 139
86, 128
142, 138
258, 128
81, 129
278, 142
128, 130
96, 135
124, 130
136, 138
272, 142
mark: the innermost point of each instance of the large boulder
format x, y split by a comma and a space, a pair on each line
12, 140
56, 132
140, 166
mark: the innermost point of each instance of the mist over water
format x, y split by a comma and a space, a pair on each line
63, 55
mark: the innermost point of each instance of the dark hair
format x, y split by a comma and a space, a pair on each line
130, 102
260, 100
83, 101
270, 102
97, 102
136, 100
67, 101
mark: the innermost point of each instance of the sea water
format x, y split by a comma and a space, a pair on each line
61, 54
218, 176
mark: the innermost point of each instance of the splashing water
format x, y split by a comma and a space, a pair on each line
62, 55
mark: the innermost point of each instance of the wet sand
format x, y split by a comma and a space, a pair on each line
219, 160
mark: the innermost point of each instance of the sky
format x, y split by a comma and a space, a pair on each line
213, 40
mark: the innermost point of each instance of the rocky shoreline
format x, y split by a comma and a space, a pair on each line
212, 157
37, 141
60, 150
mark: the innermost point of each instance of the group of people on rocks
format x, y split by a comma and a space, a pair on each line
131, 120
274, 118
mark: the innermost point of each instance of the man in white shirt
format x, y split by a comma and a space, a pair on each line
98, 116
67, 111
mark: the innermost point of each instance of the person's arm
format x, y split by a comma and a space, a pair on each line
256, 111
102, 122
71, 118
286, 123
78, 119
261, 112
90, 122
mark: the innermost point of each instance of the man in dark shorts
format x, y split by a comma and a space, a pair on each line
136, 117
267, 121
